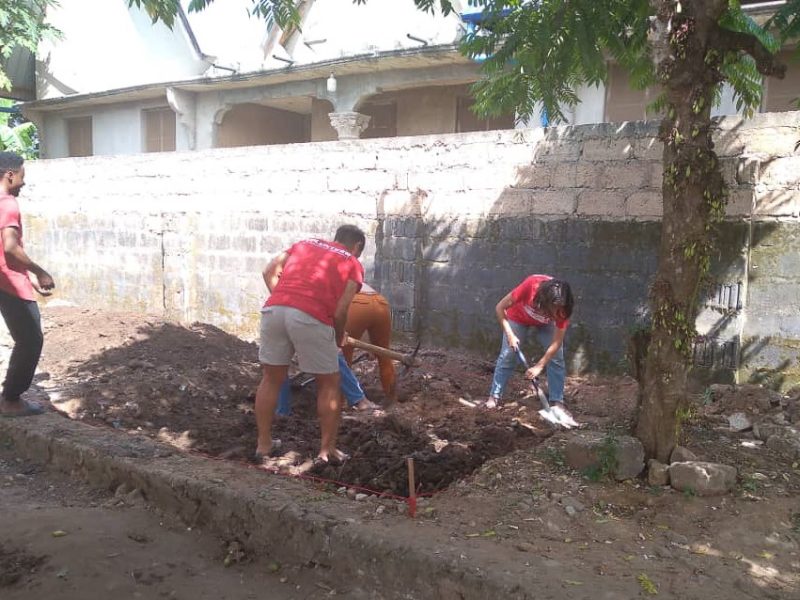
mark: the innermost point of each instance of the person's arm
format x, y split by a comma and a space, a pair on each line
340, 314
272, 272
500, 311
558, 339
44, 282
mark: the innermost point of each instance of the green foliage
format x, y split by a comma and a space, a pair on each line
540, 52
684, 415
22, 25
750, 484
18, 138
708, 396
607, 461
162, 10
796, 522
555, 457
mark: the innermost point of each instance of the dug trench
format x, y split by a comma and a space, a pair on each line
193, 388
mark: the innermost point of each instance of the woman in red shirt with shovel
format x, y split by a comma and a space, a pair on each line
544, 304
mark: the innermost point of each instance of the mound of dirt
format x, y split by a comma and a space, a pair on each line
194, 386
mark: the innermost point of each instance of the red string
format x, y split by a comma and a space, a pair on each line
410, 500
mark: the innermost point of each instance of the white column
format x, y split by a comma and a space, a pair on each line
349, 125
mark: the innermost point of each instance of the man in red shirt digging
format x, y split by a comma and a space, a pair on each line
311, 286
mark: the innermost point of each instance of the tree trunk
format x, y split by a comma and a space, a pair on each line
694, 193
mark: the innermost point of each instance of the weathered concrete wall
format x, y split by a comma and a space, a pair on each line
455, 221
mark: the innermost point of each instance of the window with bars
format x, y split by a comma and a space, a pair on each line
159, 130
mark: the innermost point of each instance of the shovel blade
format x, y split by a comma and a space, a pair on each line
552, 418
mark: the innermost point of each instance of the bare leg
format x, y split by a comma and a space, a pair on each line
329, 408
266, 400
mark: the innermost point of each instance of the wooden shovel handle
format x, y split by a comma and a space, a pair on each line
380, 350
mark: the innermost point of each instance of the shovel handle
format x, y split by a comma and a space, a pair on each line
534, 382
379, 350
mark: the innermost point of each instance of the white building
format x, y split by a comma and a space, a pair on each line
117, 84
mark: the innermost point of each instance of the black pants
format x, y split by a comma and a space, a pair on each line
25, 325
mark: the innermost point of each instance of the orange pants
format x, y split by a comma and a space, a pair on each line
371, 313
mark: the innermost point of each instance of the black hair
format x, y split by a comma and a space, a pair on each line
10, 161
554, 295
350, 235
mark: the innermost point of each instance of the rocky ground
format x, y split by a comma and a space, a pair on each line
501, 479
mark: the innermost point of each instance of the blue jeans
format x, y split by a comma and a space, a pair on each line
507, 361
351, 389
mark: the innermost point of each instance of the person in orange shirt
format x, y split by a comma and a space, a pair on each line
369, 312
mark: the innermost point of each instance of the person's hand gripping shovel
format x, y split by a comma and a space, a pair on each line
552, 415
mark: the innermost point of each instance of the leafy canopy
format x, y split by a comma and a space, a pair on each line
22, 25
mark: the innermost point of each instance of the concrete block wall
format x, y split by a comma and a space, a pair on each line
454, 222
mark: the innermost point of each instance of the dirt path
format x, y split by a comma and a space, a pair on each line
115, 547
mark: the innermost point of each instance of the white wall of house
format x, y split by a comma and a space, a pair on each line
106, 45
116, 129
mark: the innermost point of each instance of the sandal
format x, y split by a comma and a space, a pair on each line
492, 403
336, 461
261, 459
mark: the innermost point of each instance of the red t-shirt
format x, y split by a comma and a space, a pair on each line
14, 279
522, 311
314, 277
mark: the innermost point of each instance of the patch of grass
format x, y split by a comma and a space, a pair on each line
750, 484
606, 460
647, 585
708, 396
555, 457
689, 492
795, 522
683, 416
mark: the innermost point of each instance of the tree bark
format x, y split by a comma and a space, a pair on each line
694, 193
688, 50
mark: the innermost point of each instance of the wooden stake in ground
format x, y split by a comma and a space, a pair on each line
412, 489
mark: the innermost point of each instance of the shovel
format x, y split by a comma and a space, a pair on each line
547, 413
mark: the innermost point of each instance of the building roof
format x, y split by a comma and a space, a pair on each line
414, 58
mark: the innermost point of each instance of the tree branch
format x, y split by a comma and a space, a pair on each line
766, 62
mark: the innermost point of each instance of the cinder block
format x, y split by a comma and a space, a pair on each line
513, 201
533, 176
645, 204
607, 149
776, 203
625, 175
561, 202
601, 203
449, 180
781, 172
740, 202
648, 148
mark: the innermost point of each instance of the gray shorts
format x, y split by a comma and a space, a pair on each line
286, 330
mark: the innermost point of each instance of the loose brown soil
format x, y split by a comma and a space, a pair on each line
193, 387
507, 484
